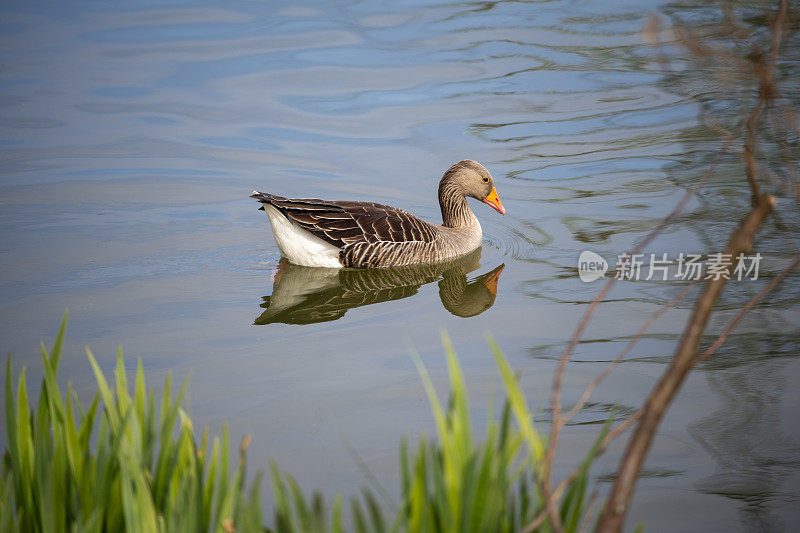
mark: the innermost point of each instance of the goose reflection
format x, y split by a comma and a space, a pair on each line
306, 295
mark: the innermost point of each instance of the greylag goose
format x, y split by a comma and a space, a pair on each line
307, 295
466, 298
322, 233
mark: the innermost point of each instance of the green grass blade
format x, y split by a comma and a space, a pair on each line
359, 522
519, 405
105, 392
58, 344
375, 513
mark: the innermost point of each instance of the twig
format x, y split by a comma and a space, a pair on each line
587, 518
559, 492
765, 94
749, 147
617, 431
685, 358
628, 347
535, 523
555, 395
744, 310
550, 508
608, 439
767, 81
787, 153
660, 398
767, 91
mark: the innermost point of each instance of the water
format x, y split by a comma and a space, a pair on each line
132, 135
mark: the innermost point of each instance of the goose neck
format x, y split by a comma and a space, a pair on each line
455, 210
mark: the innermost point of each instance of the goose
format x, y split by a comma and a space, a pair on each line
308, 295
336, 234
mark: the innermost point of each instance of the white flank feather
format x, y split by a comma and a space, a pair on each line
299, 246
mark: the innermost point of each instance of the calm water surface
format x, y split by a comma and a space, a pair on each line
131, 136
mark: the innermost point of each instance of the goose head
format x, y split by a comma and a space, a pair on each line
465, 298
470, 178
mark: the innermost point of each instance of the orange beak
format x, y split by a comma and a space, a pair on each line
491, 281
493, 200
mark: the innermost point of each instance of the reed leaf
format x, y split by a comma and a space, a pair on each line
129, 463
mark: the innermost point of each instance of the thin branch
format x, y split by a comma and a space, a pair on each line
608, 439
686, 357
551, 508
765, 94
559, 492
765, 77
617, 431
535, 523
587, 518
777, 33
625, 351
749, 147
744, 310
555, 395
660, 398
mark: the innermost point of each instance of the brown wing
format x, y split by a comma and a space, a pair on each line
344, 223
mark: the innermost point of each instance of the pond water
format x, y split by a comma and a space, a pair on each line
132, 135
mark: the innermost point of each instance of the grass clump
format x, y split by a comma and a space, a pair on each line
120, 464
452, 483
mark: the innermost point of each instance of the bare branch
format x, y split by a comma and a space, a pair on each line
686, 357
660, 398
749, 147
555, 395
628, 347
744, 310
559, 492
535, 523
587, 518
551, 508
765, 94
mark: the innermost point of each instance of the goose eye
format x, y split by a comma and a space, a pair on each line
486, 180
